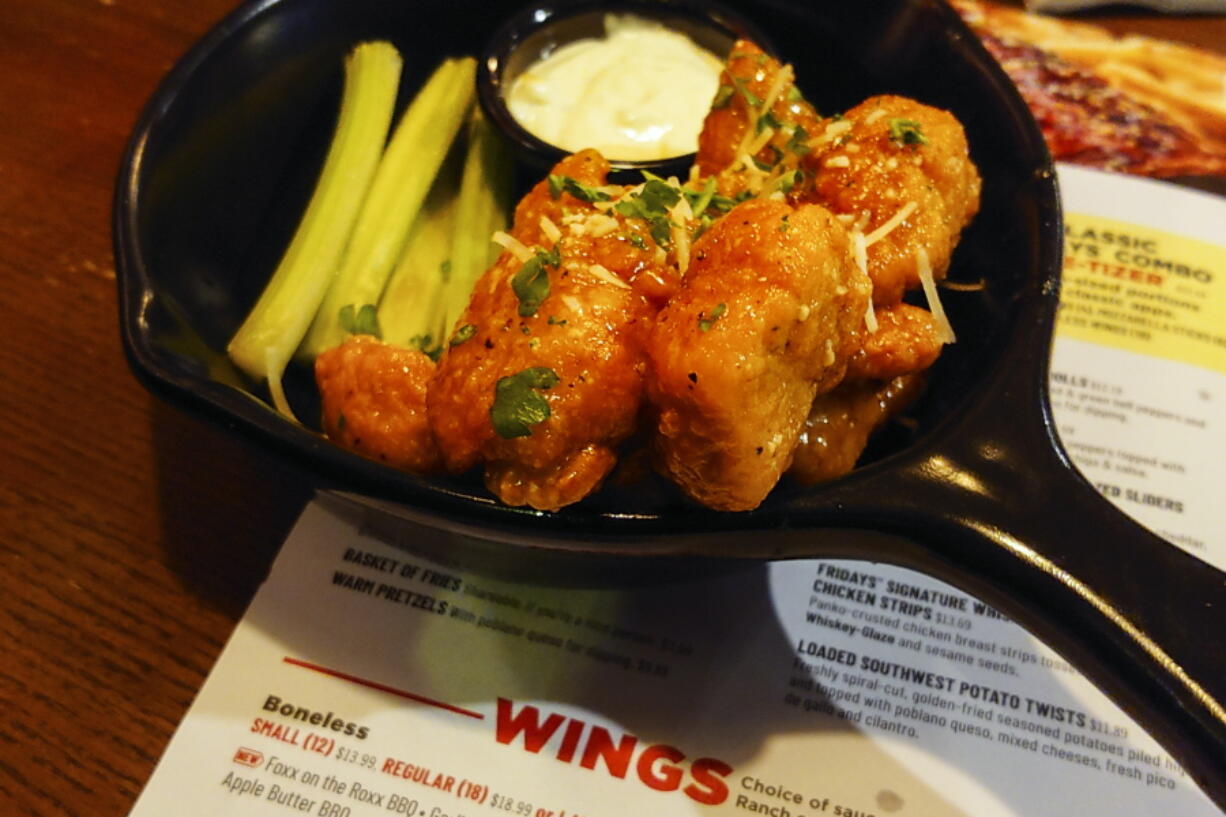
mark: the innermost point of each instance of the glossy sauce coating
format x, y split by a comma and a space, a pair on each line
841, 421
907, 340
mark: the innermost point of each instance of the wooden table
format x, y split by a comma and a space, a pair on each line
132, 536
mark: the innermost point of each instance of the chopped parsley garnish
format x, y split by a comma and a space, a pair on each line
565, 184
907, 132
722, 97
364, 321
776, 158
798, 142
700, 200
794, 95
652, 204
531, 283
789, 180
465, 332
518, 404
444, 270
707, 203
636, 239
767, 120
554, 320
705, 323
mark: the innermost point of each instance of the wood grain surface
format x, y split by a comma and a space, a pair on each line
131, 536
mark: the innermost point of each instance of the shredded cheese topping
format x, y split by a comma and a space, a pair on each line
679, 216
750, 145
833, 131
599, 225
924, 268
573, 304
603, 274
885, 229
859, 251
512, 245
550, 230
785, 75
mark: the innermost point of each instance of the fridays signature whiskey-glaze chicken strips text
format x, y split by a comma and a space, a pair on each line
749, 320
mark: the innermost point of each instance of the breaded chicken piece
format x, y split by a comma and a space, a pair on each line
901, 173
543, 392
374, 402
841, 421
768, 317
908, 339
758, 127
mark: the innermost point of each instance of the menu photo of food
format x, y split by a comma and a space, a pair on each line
1130, 104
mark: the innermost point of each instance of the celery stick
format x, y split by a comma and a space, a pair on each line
276, 324
410, 311
481, 210
412, 159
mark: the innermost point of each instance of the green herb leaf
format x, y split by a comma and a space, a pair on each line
426, 345
701, 199
464, 333
652, 204
705, 323
907, 132
531, 283
364, 321
776, 158
556, 321
788, 180
636, 239
798, 143
704, 223
517, 403
444, 270
767, 120
722, 97
565, 184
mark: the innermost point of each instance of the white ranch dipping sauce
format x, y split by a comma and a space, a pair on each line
640, 93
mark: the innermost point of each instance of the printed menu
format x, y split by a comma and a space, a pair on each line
367, 679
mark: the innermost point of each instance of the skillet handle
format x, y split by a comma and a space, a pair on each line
1142, 619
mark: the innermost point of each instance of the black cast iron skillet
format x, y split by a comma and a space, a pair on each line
981, 494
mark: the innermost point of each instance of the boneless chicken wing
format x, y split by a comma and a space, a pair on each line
374, 402
768, 316
900, 173
543, 376
758, 127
